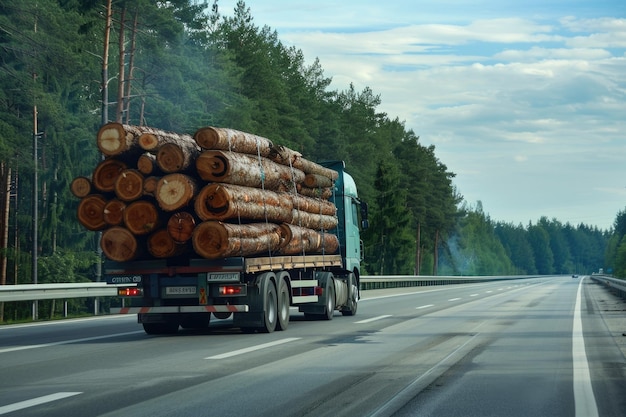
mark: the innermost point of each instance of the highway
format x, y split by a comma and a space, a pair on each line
533, 347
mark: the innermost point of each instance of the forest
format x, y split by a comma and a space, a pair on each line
181, 65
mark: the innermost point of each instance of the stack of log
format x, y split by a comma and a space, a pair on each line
218, 193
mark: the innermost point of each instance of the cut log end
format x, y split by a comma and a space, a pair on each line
81, 187
90, 212
111, 139
119, 244
180, 226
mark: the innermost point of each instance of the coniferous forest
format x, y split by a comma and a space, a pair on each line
181, 65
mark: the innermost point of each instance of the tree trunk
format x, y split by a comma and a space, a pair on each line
81, 187
150, 185
5, 199
114, 212
152, 139
105, 174
129, 185
313, 205
177, 157
317, 181
218, 201
215, 138
146, 164
180, 226
300, 240
141, 217
288, 157
241, 169
161, 245
314, 221
214, 240
323, 193
119, 244
90, 212
175, 191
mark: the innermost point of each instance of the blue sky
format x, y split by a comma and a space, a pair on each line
524, 101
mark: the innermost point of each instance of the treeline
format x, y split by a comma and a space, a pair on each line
482, 246
181, 65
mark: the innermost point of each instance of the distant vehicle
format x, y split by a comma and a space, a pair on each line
574, 276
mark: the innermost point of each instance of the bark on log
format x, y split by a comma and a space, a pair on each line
218, 201
313, 205
300, 240
161, 245
177, 157
323, 193
317, 181
215, 138
146, 164
81, 187
212, 239
314, 221
175, 191
180, 226
119, 244
242, 169
105, 174
141, 217
285, 156
90, 212
152, 139
114, 212
129, 185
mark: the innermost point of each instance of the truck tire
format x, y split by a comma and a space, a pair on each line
353, 297
329, 310
160, 328
270, 307
283, 304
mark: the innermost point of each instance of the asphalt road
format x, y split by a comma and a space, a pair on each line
536, 347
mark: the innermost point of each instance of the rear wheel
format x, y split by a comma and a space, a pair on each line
270, 308
353, 297
330, 300
283, 305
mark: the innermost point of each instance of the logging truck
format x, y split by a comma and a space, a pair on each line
257, 291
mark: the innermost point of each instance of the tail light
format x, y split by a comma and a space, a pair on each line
130, 292
232, 290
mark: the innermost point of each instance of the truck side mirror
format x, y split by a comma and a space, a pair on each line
364, 221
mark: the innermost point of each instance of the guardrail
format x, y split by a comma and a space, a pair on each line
374, 282
619, 285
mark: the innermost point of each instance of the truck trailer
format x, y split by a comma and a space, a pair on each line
257, 291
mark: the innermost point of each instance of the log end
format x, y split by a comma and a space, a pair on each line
111, 139
81, 187
90, 212
207, 137
119, 244
148, 141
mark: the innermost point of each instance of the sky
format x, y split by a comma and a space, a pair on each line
525, 101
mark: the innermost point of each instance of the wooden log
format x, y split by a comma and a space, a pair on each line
152, 139
175, 191
215, 138
161, 245
146, 163
219, 201
285, 156
141, 217
242, 169
177, 157
119, 244
180, 226
90, 212
150, 185
317, 181
301, 240
116, 139
114, 212
129, 185
313, 205
105, 174
81, 187
314, 221
212, 239
323, 193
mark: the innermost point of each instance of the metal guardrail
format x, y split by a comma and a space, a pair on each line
619, 285
61, 291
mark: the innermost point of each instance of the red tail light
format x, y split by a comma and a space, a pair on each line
130, 292
232, 290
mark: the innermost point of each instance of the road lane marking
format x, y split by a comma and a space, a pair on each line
66, 342
473, 295
454, 299
36, 401
584, 400
373, 319
253, 348
426, 306
489, 292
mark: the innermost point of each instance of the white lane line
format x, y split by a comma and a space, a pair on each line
36, 401
584, 400
473, 295
488, 292
66, 342
373, 319
426, 306
454, 299
253, 348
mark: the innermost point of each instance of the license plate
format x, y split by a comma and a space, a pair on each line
181, 290
223, 276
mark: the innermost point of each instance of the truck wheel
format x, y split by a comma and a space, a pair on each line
270, 308
160, 328
283, 305
330, 300
353, 297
